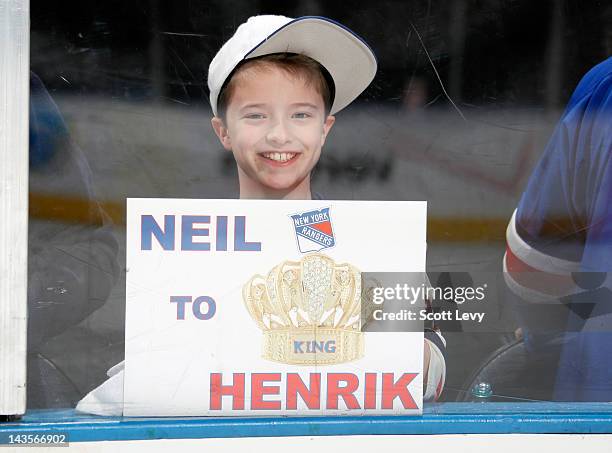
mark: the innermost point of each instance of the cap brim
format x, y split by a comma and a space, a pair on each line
348, 59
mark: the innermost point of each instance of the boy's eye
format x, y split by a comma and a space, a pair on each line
302, 115
254, 116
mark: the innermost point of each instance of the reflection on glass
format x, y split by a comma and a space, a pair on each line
72, 251
465, 100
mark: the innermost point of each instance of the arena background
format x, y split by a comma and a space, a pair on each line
464, 101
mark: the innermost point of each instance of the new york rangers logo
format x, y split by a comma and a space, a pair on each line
313, 230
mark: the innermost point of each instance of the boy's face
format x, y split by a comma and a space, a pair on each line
275, 126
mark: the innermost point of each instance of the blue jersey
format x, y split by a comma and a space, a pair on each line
562, 229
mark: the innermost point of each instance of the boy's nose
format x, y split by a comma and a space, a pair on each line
279, 133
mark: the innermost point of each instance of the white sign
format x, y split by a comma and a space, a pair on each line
245, 307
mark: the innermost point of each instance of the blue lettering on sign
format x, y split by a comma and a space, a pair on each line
222, 233
211, 310
240, 242
196, 308
180, 302
190, 229
150, 228
188, 232
310, 347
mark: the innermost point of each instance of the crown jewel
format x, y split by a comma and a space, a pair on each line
309, 311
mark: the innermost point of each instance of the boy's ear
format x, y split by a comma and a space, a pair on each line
219, 127
327, 125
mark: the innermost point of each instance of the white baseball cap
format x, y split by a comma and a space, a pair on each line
348, 58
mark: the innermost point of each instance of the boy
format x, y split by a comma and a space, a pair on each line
274, 88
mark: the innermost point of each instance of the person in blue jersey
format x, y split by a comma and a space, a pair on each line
559, 245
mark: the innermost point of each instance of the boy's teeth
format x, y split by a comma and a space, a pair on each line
279, 157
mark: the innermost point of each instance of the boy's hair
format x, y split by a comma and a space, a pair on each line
296, 65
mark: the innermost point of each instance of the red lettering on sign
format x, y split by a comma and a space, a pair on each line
369, 397
218, 390
311, 395
392, 390
334, 391
258, 390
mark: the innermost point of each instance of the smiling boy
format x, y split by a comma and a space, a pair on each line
275, 121
274, 88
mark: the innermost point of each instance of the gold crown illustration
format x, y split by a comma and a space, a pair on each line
308, 310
